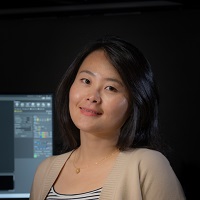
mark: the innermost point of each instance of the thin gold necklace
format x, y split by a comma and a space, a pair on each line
78, 169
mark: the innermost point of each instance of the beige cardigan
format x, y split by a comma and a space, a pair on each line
139, 174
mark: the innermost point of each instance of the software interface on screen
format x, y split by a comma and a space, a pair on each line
26, 128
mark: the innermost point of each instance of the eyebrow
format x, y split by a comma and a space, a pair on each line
108, 79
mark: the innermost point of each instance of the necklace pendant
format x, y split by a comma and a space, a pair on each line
78, 170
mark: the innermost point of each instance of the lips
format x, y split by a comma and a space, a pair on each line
89, 112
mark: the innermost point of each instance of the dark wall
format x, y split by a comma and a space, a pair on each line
35, 53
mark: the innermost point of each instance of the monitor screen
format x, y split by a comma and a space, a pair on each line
26, 138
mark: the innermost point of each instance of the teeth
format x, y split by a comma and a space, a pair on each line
90, 111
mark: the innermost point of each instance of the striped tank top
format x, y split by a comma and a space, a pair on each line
91, 195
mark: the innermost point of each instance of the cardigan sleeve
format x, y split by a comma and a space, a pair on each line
39, 178
157, 178
46, 174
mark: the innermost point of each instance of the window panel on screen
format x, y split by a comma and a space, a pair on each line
26, 138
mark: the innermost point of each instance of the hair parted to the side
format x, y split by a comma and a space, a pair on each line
141, 129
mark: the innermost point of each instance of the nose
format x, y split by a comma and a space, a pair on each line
94, 98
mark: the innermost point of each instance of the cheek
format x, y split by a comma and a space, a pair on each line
123, 108
119, 109
73, 97
74, 94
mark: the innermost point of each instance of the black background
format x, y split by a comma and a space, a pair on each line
36, 50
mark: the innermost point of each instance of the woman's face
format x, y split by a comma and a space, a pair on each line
98, 98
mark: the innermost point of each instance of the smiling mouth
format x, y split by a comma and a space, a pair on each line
90, 111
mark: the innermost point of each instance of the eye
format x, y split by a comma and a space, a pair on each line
85, 80
112, 89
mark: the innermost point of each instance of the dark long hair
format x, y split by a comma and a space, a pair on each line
141, 129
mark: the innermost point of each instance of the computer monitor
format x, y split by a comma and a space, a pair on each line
26, 138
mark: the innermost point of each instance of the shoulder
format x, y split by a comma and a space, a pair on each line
152, 167
50, 168
46, 173
56, 161
147, 159
146, 155
149, 172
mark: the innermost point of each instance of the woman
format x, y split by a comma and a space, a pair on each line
107, 104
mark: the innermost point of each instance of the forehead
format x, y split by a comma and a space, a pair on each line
98, 63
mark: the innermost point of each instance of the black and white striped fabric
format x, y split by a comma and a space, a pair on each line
91, 195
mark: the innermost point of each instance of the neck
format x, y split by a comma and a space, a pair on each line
94, 144
95, 147
92, 154
80, 163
